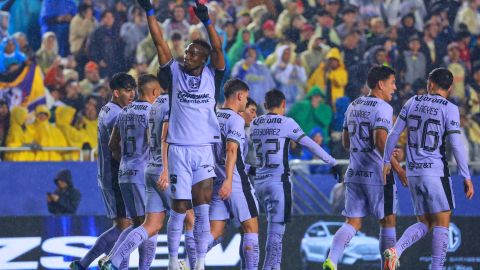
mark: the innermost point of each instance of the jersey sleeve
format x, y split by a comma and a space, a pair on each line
165, 74
345, 118
383, 118
111, 120
236, 130
452, 120
293, 130
404, 112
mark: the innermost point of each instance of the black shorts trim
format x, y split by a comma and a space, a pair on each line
448, 191
287, 193
119, 202
388, 195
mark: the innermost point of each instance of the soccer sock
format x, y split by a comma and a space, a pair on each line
273, 249
146, 251
201, 230
243, 264
340, 241
439, 247
190, 248
388, 238
212, 242
120, 239
103, 243
251, 251
413, 233
135, 238
174, 233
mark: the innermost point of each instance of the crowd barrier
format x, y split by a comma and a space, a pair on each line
52, 242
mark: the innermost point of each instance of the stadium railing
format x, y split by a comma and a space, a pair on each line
60, 149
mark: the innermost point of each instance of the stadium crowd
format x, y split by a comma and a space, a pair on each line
317, 52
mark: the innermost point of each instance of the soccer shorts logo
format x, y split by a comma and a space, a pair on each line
173, 179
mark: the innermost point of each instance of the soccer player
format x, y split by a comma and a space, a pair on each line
233, 193
129, 144
193, 129
365, 130
271, 135
123, 91
248, 115
432, 120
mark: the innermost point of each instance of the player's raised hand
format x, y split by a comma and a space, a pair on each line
201, 11
226, 189
145, 4
337, 173
163, 182
468, 188
386, 170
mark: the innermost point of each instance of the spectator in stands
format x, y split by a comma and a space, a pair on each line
255, 27
133, 32
244, 39
267, 44
19, 136
413, 63
406, 31
92, 79
349, 22
429, 45
81, 26
11, 58
231, 33
312, 112
351, 51
331, 77
177, 23
90, 121
24, 46
55, 17
48, 52
453, 62
306, 35
376, 35
4, 21
46, 134
106, 46
341, 106
314, 54
254, 73
285, 18
73, 97
120, 14
473, 91
292, 33
67, 122
468, 15
4, 124
66, 198
290, 77
324, 28
317, 134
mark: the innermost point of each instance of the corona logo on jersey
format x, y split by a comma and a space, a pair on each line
57, 252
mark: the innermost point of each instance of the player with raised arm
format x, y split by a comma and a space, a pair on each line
431, 120
271, 135
367, 122
233, 194
123, 91
129, 144
193, 129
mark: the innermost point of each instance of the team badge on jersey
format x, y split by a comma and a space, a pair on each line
193, 83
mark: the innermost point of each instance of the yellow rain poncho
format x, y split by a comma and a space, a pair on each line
46, 134
64, 116
19, 135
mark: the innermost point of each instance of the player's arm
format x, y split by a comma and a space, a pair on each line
458, 149
230, 161
163, 181
380, 140
163, 51
390, 143
345, 139
114, 144
217, 57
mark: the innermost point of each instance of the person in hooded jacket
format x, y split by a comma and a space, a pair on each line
18, 136
313, 112
11, 58
65, 117
331, 77
254, 73
66, 198
46, 134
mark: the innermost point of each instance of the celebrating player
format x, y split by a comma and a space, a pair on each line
431, 120
367, 122
123, 91
271, 135
193, 128
129, 143
233, 193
